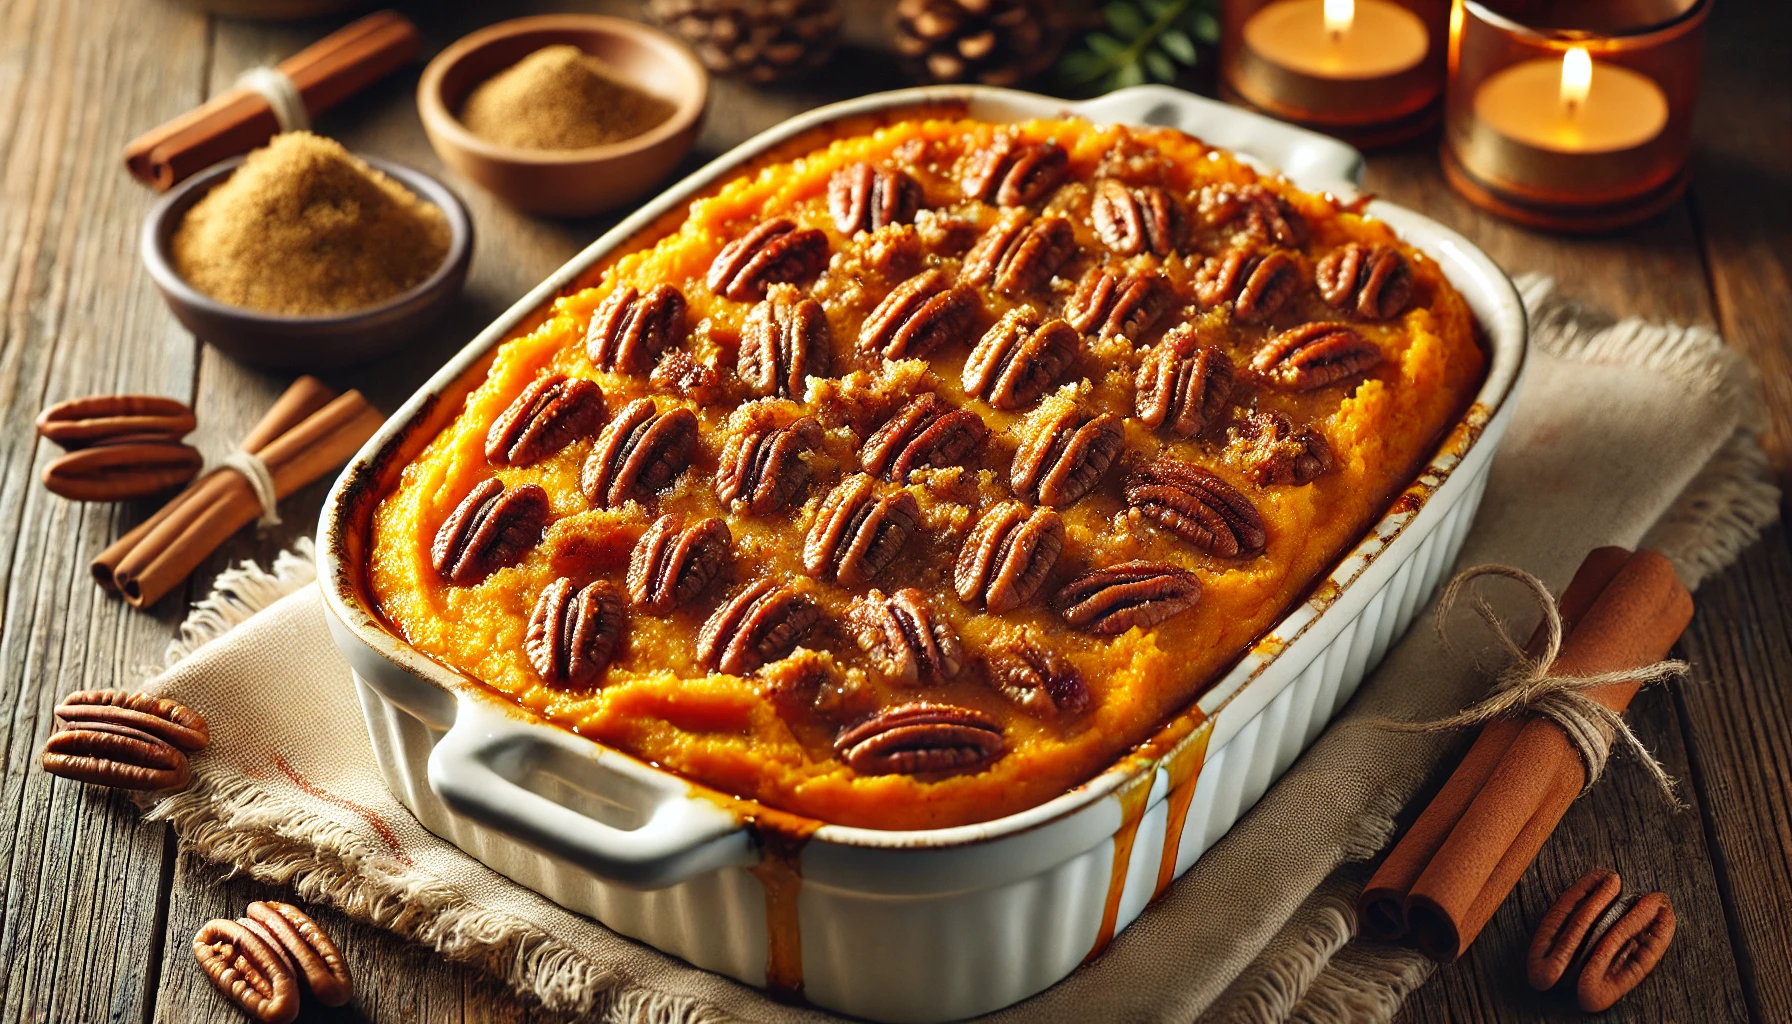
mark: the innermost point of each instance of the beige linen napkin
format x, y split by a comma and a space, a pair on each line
1624, 433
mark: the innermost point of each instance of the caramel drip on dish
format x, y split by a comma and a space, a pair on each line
1133, 800
1184, 767
781, 838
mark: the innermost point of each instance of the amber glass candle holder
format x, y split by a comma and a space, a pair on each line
1370, 72
1573, 126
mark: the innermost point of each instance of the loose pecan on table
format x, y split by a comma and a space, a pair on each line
490, 529
1370, 282
1570, 927
1266, 216
1020, 253
673, 564
919, 316
1314, 355
1277, 452
858, 532
1197, 506
762, 623
1258, 284
919, 738
775, 251
864, 198
924, 432
1110, 303
1141, 593
115, 471
247, 971
1038, 680
104, 754
1010, 173
1008, 556
167, 720
784, 342
762, 469
552, 412
1019, 359
1133, 220
911, 644
1065, 457
308, 947
630, 329
640, 452
1626, 953
573, 636
114, 419
1181, 385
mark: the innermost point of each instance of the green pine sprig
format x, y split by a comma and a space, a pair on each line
1144, 41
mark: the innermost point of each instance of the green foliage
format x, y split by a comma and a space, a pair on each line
1142, 41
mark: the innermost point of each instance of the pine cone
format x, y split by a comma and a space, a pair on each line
995, 42
758, 40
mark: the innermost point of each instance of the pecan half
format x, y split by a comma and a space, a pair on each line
490, 529
925, 432
1181, 385
573, 636
247, 971
630, 330
1315, 355
641, 451
1266, 216
1625, 955
680, 374
1019, 359
763, 470
1113, 600
118, 470
1257, 284
1570, 927
311, 952
108, 754
1108, 303
1010, 173
762, 623
551, 413
167, 720
774, 251
920, 315
921, 738
1020, 253
673, 564
858, 533
1370, 282
1007, 556
784, 342
911, 645
113, 419
1038, 680
1066, 456
1133, 220
1197, 506
1279, 453
864, 198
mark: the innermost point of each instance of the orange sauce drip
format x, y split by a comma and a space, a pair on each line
1184, 766
1133, 799
781, 838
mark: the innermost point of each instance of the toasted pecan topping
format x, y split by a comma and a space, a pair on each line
1010, 173
1181, 385
1038, 680
641, 452
1020, 253
859, 532
1315, 355
760, 624
1140, 593
1257, 284
1261, 214
763, 470
552, 412
1369, 282
1019, 359
673, 564
921, 738
925, 432
785, 341
630, 330
1133, 220
1197, 506
919, 316
912, 645
1008, 556
1279, 453
775, 251
1066, 456
862, 197
1108, 303
490, 529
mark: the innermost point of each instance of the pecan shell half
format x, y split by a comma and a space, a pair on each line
1134, 220
1279, 453
309, 949
858, 532
673, 564
1113, 600
1108, 303
1038, 680
1019, 359
775, 251
1066, 456
1315, 355
1010, 173
864, 198
784, 342
1264, 215
1257, 284
912, 645
551, 413
113, 419
490, 529
1008, 556
1570, 927
1369, 282
919, 316
630, 329
1197, 506
1625, 954
641, 452
1020, 253
762, 623
250, 973
924, 432
1182, 386
120, 756
164, 719
921, 738
118, 470
572, 637
762, 470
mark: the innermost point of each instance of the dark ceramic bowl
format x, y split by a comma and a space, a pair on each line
307, 342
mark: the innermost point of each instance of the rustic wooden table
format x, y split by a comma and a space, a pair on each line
98, 907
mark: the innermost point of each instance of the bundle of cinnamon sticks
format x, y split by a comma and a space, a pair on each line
1466, 851
309, 431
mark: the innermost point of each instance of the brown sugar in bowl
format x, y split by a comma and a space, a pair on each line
570, 182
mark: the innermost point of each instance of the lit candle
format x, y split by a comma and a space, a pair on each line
1572, 106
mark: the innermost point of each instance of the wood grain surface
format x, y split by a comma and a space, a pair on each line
98, 909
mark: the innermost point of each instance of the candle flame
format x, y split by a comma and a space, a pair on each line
1338, 16
1577, 77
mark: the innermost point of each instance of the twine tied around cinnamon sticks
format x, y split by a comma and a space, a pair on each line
1526, 687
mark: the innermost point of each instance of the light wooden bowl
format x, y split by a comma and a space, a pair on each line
565, 182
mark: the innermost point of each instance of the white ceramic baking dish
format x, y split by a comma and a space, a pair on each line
926, 925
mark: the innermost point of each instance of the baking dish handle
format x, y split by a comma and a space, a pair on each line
550, 788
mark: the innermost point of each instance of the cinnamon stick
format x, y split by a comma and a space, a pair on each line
237, 120
1381, 910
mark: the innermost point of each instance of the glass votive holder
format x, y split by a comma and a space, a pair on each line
1370, 72
1573, 126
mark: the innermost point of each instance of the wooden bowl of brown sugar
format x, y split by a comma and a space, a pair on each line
658, 87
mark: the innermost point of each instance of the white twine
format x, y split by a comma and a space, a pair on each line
282, 94
1525, 687
261, 481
